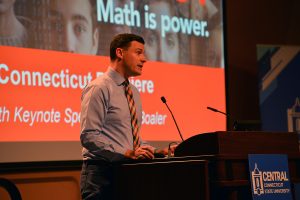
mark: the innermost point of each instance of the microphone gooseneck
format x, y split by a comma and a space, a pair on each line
215, 110
163, 99
235, 124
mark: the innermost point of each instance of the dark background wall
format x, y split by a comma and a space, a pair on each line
249, 23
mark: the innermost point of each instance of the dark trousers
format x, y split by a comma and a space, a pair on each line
96, 180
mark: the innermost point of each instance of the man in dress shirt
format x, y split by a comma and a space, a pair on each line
106, 130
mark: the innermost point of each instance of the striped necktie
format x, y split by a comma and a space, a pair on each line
132, 109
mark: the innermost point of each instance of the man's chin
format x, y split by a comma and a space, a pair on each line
137, 73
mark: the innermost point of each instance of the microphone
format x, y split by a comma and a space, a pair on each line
235, 124
215, 110
163, 99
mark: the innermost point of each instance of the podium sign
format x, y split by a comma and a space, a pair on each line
269, 177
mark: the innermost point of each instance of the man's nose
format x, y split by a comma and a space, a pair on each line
160, 54
143, 58
70, 38
163, 51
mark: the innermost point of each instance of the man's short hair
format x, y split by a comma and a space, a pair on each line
123, 41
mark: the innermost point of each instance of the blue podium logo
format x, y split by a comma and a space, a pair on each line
269, 177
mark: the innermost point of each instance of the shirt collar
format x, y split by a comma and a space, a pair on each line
115, 76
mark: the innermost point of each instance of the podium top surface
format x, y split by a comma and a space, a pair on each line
239, 143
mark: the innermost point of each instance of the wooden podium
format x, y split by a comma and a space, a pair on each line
162, 179
210, 166
239, 143
227, 156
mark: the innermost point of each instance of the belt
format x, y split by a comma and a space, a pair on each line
96, 162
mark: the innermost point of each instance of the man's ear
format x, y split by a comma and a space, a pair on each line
119, 53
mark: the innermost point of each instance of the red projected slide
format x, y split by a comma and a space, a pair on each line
55, 48
41, 95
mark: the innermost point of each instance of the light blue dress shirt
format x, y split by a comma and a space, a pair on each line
106, 131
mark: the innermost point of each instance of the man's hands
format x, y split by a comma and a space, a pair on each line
147, 152
142, 152
165, 150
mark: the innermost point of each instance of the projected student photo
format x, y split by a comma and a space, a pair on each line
13, 30
72, 26
170, 48
108, 30
215, 48
208, 51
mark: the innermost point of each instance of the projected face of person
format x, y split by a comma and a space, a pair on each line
72, 27
12, 31
160, 48
6, 5
117, 29
215, 50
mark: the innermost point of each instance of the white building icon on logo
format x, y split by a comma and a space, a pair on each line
293, 116
257, 181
